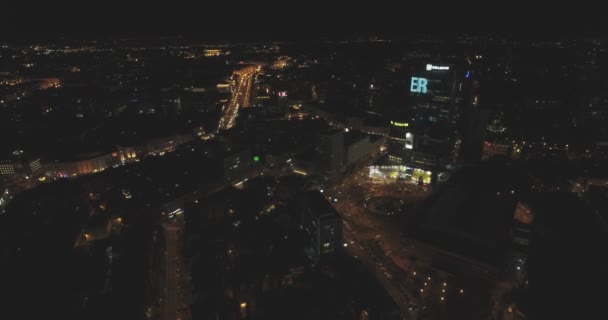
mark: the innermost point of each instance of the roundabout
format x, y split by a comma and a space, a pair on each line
385, 206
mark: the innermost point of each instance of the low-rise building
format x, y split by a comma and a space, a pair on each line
19, 165
360, 146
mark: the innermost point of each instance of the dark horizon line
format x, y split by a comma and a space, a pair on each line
265, 37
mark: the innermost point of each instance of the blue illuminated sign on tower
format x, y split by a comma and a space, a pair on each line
418, 85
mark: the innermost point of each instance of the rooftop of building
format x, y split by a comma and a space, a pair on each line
353, 137
373, 138
319, 206
331, 131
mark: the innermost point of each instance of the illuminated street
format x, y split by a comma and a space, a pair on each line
175, 284
241, 97
372, 240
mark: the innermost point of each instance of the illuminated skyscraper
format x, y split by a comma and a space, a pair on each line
433, 95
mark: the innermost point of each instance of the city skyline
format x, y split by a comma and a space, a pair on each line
192, 165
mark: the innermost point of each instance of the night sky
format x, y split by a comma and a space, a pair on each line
293, 20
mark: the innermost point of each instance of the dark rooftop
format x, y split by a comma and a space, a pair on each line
470, 214
353, 136
321, 208
331, 131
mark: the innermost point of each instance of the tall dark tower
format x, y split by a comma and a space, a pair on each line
474, 120
330, 150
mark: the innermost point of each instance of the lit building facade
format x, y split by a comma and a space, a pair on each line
433, 95
7, 168
422, 140
93, 163
322, 224
21, 166
496, 149
85, 166
236, 163
163, 145
414, 155
394, 173
282, 62
213, 52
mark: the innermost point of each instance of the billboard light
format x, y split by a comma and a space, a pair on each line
300, 172
400, 124
409, 140
432, 67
